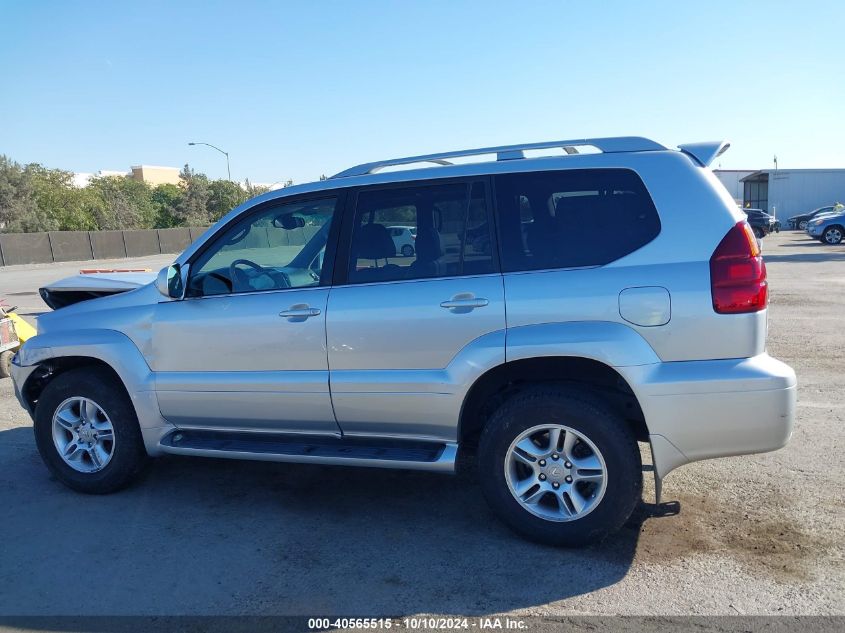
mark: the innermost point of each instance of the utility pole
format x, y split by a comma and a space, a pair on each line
226, 154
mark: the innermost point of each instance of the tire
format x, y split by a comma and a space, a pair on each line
833, 235
6, 363
802, 225
586, 416
407, 250
126, 453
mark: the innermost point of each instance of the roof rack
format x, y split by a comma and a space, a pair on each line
512, 152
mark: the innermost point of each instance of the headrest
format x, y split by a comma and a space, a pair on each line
373, 241
428, 244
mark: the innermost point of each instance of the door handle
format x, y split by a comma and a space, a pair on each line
464, 303
300, 311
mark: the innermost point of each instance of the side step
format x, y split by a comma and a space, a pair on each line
310, 449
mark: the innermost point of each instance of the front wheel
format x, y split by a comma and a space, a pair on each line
559, 467
407, 250
87, 432
833, 235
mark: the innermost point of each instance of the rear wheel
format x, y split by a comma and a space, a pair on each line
87, 432
802, 225
407, 250
559, 467
833, 235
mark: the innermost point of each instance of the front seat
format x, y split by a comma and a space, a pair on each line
373, 241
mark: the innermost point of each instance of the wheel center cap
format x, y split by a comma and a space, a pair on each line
86, 434
557, 473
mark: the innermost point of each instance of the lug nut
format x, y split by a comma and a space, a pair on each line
542, 477
554, 455
568, 464
555, 485
542, 462
569, 480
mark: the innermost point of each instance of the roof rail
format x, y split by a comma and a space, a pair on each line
511, 152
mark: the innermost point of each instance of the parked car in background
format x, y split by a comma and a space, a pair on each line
404, 238
828, 228
761, 222
799, 222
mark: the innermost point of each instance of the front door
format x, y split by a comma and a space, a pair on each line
246, 348
401, 327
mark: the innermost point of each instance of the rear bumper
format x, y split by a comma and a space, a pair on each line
704, 409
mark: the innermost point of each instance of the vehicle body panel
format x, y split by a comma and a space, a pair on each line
384, 334
231, 361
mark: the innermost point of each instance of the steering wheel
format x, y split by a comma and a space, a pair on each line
279, 279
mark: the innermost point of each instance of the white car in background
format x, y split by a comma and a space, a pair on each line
404, 238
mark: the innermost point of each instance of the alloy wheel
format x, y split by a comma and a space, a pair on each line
833, 235
83, 435
555, 472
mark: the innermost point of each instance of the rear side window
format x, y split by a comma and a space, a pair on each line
571, 218
419, 232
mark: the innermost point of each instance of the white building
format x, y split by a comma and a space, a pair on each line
732, 179
82, 179
784, 192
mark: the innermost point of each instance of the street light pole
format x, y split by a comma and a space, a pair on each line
226, 154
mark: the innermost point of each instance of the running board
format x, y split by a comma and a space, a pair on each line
309, 449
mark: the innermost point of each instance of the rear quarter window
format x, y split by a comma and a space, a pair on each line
572, 218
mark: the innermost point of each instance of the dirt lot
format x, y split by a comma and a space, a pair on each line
754, 535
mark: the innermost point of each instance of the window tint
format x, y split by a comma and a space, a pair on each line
564, 219
420, 232
280, 247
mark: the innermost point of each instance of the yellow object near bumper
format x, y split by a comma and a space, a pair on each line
24, 330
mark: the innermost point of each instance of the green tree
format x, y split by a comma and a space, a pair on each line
19, 210
59, 199
122, 203
224, 195
192, 209
254, 190
166, 198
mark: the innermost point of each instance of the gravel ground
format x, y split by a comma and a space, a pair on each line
748, 535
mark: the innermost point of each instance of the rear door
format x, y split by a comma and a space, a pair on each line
395, 323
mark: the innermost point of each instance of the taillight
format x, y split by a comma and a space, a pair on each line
738, 273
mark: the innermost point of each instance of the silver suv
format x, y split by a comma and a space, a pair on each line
556, 310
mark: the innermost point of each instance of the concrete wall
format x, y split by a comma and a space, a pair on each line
68, 246
108, 244
25, 248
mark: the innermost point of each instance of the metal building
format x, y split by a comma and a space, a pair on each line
785, 192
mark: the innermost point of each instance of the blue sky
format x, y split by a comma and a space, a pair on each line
294, 90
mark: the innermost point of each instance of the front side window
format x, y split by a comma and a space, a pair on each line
418, 232
279, 247
572, 218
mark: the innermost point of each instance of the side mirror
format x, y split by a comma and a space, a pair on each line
169, 282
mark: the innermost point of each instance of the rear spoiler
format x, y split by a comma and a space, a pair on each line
705, 153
